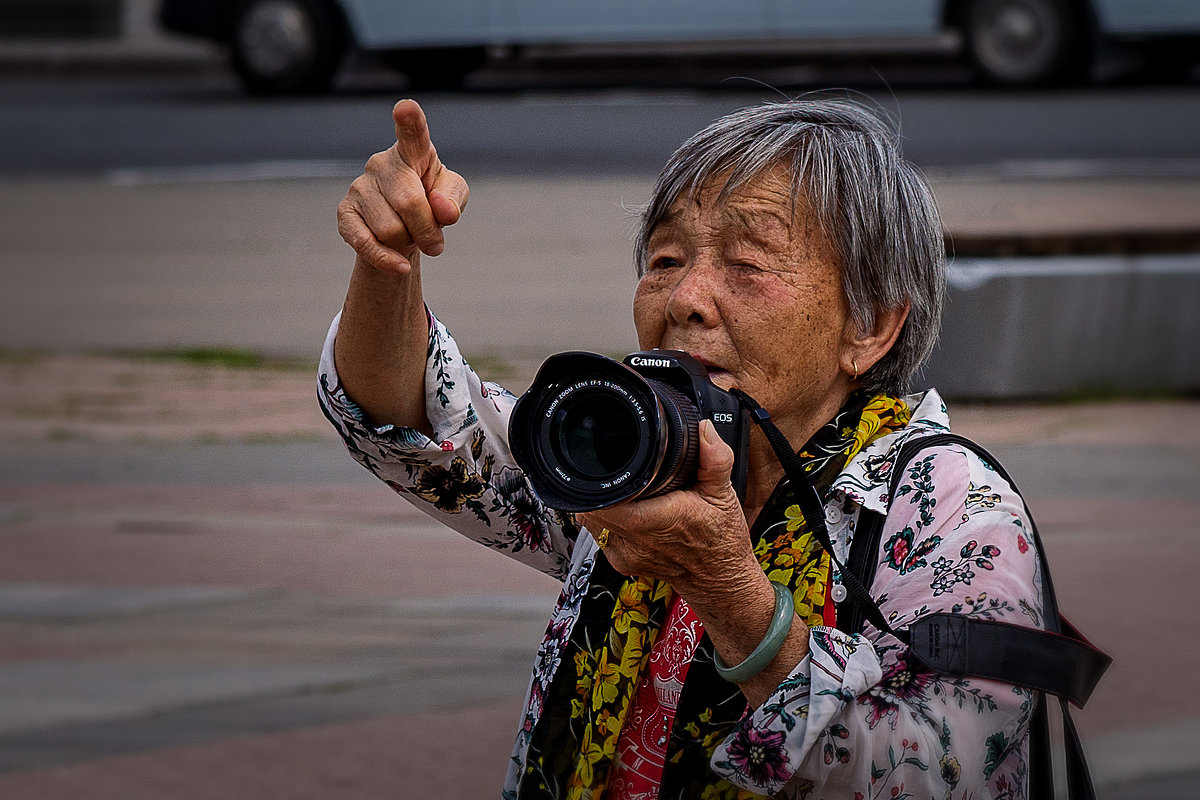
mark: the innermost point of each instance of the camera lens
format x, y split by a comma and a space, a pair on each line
592, 432
594, 435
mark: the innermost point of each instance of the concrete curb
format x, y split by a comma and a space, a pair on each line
1062, 326
147, 56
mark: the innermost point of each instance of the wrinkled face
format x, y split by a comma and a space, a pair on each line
755, 295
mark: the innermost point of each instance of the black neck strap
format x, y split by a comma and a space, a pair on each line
813, 509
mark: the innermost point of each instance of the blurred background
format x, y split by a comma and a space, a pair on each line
202, 596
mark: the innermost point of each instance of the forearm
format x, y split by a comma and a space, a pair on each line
392, 213
737, 618
381, 346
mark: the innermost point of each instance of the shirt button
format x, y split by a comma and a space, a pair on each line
833, 515
838, 593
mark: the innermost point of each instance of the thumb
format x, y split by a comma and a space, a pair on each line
715, 464
449, 197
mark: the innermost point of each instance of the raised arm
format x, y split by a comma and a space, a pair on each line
394, 212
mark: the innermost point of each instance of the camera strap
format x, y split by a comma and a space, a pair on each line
813, 509
1058, 660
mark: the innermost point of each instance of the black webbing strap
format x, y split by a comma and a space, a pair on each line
952, 644
863, 559
1041, 765
1079, 777
813, 509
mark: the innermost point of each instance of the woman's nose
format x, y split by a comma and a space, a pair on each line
693, 298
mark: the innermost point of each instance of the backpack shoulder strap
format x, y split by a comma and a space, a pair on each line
862, 561
1058, 660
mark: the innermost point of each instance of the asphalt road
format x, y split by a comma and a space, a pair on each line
78, 126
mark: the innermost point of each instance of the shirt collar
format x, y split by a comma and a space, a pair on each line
865, 479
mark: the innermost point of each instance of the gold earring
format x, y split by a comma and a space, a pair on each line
854, 363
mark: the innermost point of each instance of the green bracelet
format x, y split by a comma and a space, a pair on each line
768, 648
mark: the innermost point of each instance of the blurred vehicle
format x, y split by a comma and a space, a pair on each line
298, 45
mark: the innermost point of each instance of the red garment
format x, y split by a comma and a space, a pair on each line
642, 747
829, 609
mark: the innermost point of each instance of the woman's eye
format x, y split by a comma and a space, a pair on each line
663, 262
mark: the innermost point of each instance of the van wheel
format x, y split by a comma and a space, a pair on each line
1025, 42
286, 46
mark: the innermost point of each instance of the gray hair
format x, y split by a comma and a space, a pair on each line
875, 209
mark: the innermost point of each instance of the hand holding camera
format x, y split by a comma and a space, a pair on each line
593, 433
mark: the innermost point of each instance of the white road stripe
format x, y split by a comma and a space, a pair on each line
235, 173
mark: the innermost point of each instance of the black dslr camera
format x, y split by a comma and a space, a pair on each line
592, 432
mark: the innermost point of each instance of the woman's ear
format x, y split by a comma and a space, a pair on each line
863, 349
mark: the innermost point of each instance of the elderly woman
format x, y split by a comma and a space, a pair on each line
694, 651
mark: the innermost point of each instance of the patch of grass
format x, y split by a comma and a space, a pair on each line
490, 366
226, 357
283, 437
66, 435
21, 357
1112, 394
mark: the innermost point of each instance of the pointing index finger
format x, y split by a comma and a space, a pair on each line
412, 136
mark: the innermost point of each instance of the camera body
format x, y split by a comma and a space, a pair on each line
592, 432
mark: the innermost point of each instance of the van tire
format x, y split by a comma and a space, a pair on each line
287, 46
1026, 42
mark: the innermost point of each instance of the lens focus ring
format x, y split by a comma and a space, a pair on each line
682, 441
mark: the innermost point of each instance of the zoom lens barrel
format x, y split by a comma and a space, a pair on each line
592, 432
681, 445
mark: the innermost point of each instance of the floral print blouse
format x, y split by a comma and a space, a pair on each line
856, 719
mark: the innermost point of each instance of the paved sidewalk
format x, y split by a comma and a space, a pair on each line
258, 264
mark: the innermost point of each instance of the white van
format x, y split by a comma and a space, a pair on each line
298, 45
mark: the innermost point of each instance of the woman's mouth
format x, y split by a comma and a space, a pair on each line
714, 370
